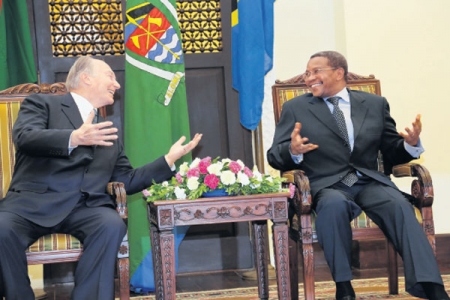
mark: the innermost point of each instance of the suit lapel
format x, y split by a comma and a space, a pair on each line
358, 112
321, 111
70, 109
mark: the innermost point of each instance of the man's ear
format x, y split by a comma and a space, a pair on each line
85, 79
340, 74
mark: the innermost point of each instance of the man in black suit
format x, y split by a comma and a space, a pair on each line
334, 134
63, 164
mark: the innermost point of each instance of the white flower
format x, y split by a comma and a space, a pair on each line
228, 177
242, 178
255, 186
269, 179
195, 163
193, 183
180, 193
257, 175
240, 163
184, 167
165, 184
215, 169
226, 160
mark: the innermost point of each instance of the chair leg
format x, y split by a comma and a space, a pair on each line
123, 268
293, 262
392, 268
308, 271
306, 238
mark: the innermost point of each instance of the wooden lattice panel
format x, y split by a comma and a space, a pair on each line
200, 25
86, 27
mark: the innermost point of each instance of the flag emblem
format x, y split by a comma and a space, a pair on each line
149, 34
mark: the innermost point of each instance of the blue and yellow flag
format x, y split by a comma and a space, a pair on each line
156, 112
252, 55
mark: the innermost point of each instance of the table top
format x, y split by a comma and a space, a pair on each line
169, 213
217, 199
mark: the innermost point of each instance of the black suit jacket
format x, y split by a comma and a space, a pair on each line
48, 182
374, 130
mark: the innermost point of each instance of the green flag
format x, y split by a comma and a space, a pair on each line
16, 52
156, 113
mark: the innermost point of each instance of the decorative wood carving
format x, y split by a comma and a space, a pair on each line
200, 25
32, 88
280, 236
253, 208
300, 79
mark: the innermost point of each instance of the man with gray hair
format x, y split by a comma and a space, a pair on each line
64, 162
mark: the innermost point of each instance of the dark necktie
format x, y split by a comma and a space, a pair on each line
338, 116
95, 120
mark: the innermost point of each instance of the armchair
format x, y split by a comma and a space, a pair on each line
53, 248
302, 229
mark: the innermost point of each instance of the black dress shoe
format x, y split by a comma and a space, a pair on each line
344, 291
435, 291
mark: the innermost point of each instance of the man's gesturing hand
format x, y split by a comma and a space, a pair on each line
298, 143
101, 134
178, 149
412, 134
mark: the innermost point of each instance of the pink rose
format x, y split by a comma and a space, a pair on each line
248, 172
146, 193
204, 164
194, 172
234, 167
211, 181
292, 189
179, 177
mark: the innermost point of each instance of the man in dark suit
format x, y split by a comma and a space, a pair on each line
63, 164
334, 134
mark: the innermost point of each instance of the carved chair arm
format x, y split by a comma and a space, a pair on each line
117, 190
422, 187
302, 199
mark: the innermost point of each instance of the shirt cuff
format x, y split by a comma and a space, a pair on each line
68, 146
414, 151
296, 158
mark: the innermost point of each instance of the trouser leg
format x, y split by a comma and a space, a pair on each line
334, 214
16, 235
101, 231
391, 211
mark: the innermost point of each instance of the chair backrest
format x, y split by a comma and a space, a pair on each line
285, 90
10, 100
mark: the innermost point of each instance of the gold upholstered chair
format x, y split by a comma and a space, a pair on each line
302, 230
53, 248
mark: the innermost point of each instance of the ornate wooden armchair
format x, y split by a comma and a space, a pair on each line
302, 228
54, 248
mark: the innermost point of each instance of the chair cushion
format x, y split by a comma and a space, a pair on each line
8, 115
52, 242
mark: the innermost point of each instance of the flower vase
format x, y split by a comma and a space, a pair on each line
215, 193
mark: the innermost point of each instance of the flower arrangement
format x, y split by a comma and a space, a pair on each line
206, 175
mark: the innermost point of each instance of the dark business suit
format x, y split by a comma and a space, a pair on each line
374, 130
54, 191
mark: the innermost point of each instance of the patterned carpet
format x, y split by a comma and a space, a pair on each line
376, 288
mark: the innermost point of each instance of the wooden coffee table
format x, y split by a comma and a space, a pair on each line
164, 215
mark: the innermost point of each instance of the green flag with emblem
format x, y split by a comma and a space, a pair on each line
156, 112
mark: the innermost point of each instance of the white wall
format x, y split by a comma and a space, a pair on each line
404, 43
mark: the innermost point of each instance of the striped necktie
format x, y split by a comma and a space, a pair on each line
351, 178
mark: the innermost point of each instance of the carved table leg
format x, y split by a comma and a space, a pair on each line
260, 249
163, 248
281, 245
